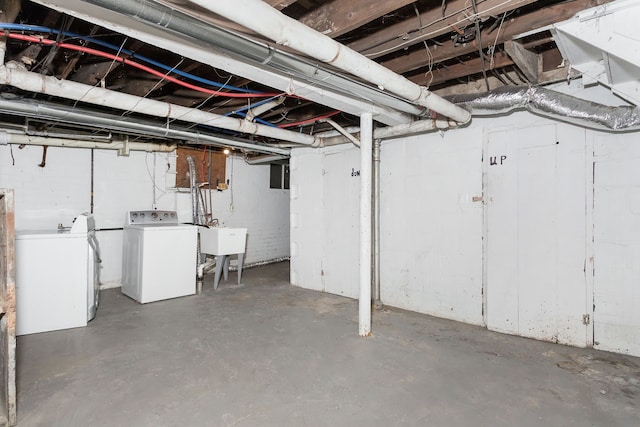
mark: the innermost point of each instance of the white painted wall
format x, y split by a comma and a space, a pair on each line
431, 243
431, 238
250, 203
46, 197
324, 217
307, 226
536, 233
434, 258
617, 242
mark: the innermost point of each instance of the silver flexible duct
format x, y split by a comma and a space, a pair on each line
193, 187
552, 104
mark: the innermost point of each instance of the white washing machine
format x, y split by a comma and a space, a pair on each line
159, 256
57, 277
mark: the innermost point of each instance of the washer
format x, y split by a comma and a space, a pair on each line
159, 256
57, 277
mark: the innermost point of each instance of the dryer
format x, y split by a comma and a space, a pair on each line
159, 256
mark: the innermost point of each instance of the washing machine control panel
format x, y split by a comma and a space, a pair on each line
152, 217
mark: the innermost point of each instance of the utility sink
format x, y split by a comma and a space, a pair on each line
222, 240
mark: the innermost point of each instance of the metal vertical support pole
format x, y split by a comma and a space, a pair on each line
376, 224
364, 304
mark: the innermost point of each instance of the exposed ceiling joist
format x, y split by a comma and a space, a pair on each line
338, 17
528, 62
431, 24
511, 27
433, 43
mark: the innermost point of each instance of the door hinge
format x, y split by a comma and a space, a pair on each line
586, 319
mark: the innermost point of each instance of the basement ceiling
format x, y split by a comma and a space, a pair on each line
449, 46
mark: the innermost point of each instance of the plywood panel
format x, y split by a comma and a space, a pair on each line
210, 167
7, 310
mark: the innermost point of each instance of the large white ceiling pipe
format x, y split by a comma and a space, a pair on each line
78, 116
164, 26
366, 147
13, 138
391, 131
271, 23
38, 83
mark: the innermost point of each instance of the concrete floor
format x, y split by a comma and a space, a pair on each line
268, 354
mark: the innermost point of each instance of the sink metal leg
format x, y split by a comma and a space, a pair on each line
220, 261
240, 260
227, 261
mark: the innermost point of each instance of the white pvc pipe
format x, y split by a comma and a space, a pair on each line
76, 116
12, 138
38, 83
261, 109
344, 132
271, 23
364, 303
390, 131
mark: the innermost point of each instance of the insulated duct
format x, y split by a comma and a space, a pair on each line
551, 104
193, 187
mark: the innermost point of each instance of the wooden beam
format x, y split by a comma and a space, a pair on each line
510, 28
529, 63
468, 68
338, 17
280, 4
407, 32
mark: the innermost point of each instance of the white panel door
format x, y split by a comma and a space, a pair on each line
340, 262
535, 230
617, 244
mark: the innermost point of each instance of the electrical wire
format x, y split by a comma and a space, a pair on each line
479, 36
493, 48
137, 65
308, 121
42, 29
424, 36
